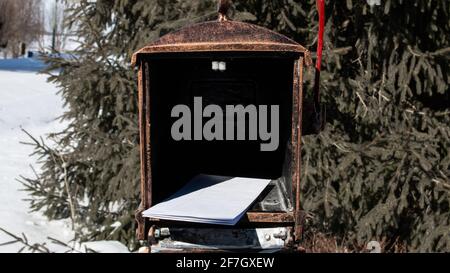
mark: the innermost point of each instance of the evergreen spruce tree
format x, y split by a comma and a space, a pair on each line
379, 171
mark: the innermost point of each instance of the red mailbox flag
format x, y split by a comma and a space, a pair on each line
321, 11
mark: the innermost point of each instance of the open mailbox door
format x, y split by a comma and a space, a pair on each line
222, 63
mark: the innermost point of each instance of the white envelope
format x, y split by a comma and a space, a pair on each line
211, 200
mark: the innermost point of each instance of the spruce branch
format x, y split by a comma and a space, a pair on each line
40, 248
69, 194
63, 165
439, 52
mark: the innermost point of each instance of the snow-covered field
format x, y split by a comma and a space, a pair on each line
27, 101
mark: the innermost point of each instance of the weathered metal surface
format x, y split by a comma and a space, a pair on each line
223, 36
266, 217
144, 136
224, 239
147, 146
138, 214
296, 141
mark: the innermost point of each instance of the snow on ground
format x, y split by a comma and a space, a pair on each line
27, 101
105, 247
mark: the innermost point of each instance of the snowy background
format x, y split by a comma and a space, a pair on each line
28, 101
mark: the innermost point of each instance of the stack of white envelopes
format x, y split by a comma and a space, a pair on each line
210, 200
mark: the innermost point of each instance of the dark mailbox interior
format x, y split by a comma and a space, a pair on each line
258, 79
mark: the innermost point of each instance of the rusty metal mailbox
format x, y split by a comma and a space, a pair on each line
224, 62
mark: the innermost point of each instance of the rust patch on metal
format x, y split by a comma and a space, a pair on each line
267, 217
145, 152
296, 142
216, 36
147, 146
138, 215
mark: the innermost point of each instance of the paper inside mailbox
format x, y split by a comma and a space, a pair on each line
211, 200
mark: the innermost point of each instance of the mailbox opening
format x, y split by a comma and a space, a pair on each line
260, 79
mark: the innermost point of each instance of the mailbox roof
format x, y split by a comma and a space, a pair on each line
223, 36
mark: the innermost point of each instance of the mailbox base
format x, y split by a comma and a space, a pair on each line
221, 239
257, 232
